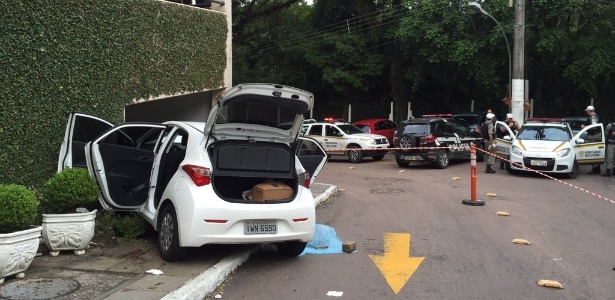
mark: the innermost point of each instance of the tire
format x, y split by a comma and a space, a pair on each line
575, 170
402, 163
378, 157
168, 235
509, 169
407, 141
355, 155
442, 159
291, 249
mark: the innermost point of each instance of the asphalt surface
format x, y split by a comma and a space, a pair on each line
111, 270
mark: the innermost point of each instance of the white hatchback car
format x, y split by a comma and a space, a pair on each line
191, 180
549, 146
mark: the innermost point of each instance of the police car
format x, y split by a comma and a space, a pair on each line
342, 138
434, 139
549, 145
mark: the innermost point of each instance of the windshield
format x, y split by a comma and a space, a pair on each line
467, 119
544, 133
363, 127
350, 129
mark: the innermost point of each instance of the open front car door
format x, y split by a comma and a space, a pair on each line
591, 148
81, 129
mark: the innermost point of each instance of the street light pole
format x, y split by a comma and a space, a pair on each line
476, 7
518, 84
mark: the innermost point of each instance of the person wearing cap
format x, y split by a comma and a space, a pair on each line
610, 150
514, 127
490, 141
593, 135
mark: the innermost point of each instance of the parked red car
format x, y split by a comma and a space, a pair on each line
384, 127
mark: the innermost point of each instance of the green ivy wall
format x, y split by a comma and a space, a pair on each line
93, 56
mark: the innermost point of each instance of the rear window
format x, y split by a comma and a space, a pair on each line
260, 112
415, 128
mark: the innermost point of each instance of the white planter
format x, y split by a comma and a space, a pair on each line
17, 250
68, 231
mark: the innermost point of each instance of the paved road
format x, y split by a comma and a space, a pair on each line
468, 250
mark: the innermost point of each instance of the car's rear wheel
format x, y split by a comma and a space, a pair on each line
291, 249
378, 157
168, 235
402, 163
355, 155
575, 170
442, 159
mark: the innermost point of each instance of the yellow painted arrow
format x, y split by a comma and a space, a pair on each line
397, 266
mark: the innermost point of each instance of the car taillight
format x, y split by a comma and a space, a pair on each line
200, 175
304, 178
428, 139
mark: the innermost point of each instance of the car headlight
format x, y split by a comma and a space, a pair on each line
563, 152
372, 142
516, 150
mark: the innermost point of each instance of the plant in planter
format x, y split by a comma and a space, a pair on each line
19, 240
64, 226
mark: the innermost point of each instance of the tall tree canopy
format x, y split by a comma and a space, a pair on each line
438, 54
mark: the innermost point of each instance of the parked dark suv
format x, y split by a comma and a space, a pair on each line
438, 133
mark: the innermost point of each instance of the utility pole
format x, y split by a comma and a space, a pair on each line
518, 83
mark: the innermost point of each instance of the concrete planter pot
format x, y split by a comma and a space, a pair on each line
68, 232
17, 250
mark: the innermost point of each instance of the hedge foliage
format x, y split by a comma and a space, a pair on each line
19, 208
95, 57
68, 190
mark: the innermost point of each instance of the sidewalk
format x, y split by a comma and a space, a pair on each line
113, 271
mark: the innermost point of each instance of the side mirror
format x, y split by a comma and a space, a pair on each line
580, 141
507, 138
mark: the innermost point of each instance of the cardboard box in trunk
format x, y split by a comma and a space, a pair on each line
271, 191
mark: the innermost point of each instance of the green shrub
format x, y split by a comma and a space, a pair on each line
18, 208
131, 226
126, 226
68, 190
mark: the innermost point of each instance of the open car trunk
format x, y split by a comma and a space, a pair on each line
239, 165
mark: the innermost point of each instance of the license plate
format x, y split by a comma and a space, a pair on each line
260, 227
412, 157
540, 163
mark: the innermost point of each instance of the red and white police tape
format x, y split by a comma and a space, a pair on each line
486, 153
548, 176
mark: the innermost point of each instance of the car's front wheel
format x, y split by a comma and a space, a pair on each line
378, 157
291, 249
509, 169
355, 155
402, 163
168, 235
442, 159
575, 170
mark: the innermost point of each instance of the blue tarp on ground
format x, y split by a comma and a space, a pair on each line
325, 241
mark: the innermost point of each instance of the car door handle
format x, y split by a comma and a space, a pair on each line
601, 147
144, 159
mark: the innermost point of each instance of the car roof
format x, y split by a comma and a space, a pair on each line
370, 121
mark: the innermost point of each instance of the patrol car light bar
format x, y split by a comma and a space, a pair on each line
545, 120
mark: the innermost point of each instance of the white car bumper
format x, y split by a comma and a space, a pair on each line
547, 162
216, 221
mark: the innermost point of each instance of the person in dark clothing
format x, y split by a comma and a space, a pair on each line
592, 135
490, 141
610, 150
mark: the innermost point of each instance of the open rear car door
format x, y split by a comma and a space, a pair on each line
311, 155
